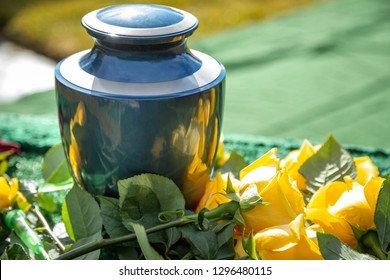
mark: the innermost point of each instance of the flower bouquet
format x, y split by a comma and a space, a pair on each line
316, 203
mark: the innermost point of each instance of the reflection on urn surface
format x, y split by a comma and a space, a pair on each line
200, 142
108, 140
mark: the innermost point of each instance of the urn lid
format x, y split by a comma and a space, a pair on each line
137, 23
140, 53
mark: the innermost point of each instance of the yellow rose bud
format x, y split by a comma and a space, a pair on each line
250, 198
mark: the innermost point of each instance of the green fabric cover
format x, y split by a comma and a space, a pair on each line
36, 134
324, 69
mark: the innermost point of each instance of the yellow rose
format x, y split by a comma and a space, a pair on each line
215, 191
338, 205
10, 192
294, 160
283, 200
261, 171
291, 241
365, 169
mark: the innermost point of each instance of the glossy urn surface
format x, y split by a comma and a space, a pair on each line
140, 101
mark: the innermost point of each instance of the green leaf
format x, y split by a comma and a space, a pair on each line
46, 202
225, 235
67, 222
226, 252
81, 214
143, 197
204, 244
249, 246
229, 186
112, 222
3, 166
330, 163
357, 232
4, 256
94, 255
55, 168
166, 191
127, 253
221, 225
382, 214
149, 252
225, 240
333, 248
6, 154
15, 252
238, 218
140, 205
180, 251
4, 230
20, 252
234, 164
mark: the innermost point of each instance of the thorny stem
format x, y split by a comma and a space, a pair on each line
221, 211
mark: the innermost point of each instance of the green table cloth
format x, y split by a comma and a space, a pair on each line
36, 134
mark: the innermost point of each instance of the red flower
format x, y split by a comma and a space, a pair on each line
8, 148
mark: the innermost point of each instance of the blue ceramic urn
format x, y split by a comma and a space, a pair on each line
140, 101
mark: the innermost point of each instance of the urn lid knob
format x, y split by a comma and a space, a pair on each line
140, 24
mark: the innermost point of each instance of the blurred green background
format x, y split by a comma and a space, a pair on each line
296, 69
53, 27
